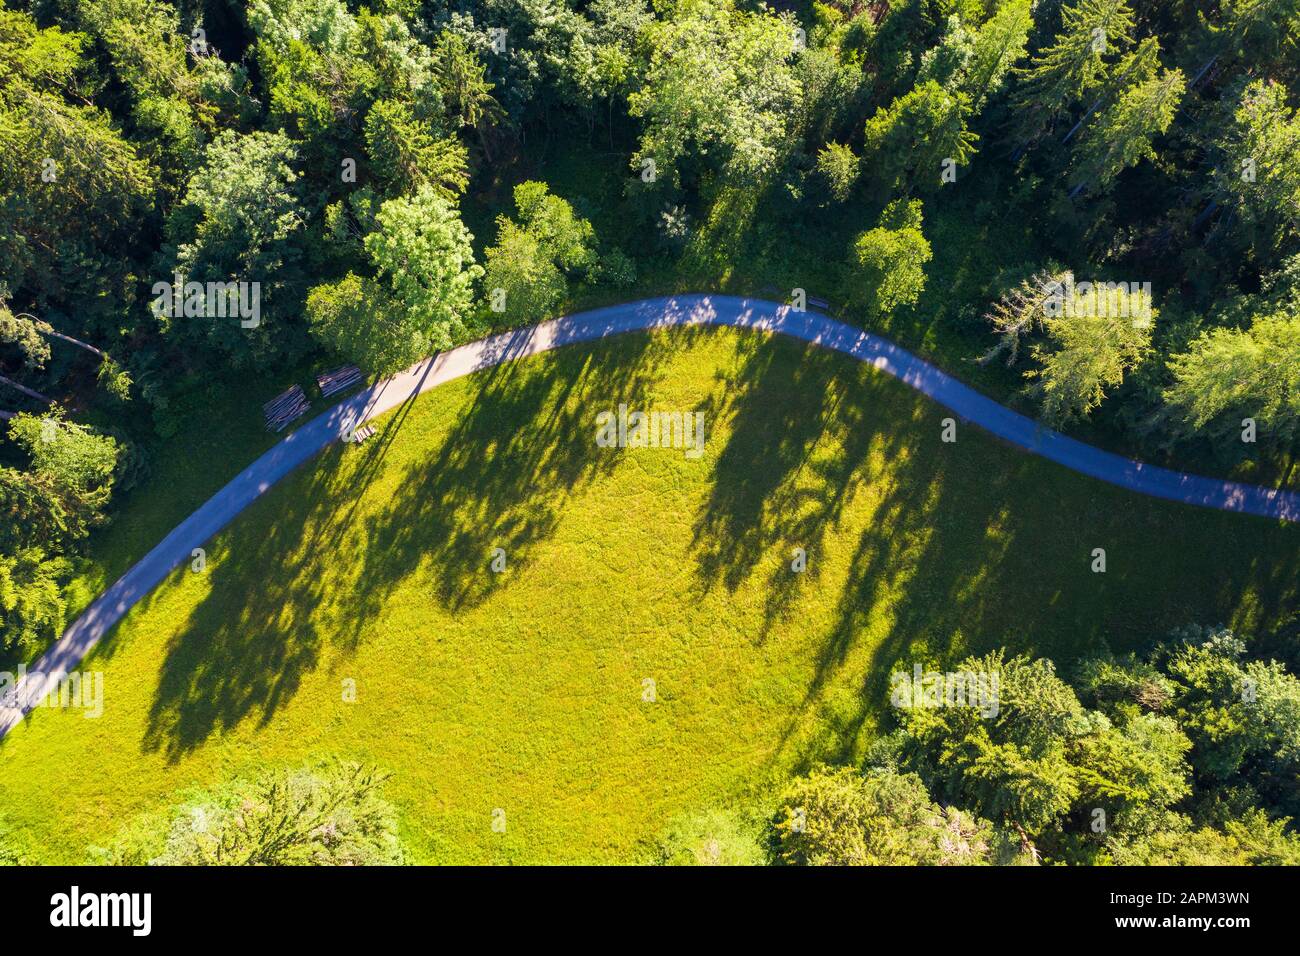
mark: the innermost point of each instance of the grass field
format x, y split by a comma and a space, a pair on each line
524, 690
216, 431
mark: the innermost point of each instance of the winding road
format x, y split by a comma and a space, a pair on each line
682, 310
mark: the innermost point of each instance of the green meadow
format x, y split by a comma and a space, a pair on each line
647, 651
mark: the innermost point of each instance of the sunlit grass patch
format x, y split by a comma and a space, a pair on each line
525, 691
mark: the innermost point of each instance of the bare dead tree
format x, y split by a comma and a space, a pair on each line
1020, 310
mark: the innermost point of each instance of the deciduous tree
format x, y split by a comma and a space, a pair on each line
418, 299
891, 259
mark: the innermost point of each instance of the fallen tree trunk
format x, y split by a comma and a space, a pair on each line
30, 393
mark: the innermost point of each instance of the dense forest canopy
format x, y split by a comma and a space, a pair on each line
202, 193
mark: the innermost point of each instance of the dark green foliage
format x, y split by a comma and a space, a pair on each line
1188, 754
883, 818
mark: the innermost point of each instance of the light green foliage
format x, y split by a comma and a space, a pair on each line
1134, 773
948, 62
1253, 840
1084, 338
324, 25
711, 838
70, 455
996, 48
1233, 708
720, 86
114, 379
312, 82
241, 206
977, 61
837, 165
1014, 768
521, 275
1259, 174
1235, 717
908, 142
37, 511
33, 610
1021, 309
324, 67
1122, 134
566, 236
352, 317
327, 816
844, 818
1088, 350
50, 506
1043, 757
1230, 374
418, 300
1125, 686
21, 331
1276, 700
891, 259
552, 59
532, 257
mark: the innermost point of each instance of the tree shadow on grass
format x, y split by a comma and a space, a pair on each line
253, 636
793, 462
1000, 555
967, 546
523, 444
503, 477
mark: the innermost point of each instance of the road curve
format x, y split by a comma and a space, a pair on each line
682, 310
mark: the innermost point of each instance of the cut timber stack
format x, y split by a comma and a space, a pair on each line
284, 408
339, 380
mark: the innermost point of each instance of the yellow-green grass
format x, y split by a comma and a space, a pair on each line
525, 690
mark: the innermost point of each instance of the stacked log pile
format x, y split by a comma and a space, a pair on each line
285, 408
339, 380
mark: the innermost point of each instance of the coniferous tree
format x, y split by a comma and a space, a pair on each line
1075, 64
1122, 134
